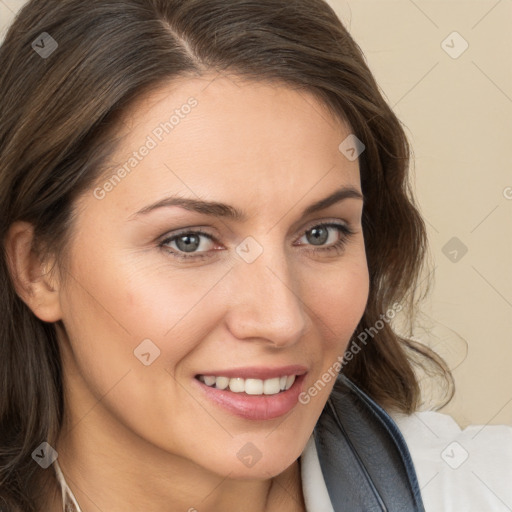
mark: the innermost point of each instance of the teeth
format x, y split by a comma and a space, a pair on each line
210, 381
250, 386
236, 385
220, 382
271, 386
289, 381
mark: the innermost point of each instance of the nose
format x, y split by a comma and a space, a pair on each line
266, 302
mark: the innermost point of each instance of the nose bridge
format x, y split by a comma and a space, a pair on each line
269, 305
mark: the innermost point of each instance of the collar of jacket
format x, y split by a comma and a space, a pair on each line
364, 458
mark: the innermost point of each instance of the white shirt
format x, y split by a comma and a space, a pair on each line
459, 470
316, 497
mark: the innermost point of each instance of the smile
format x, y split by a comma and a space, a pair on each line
271, 386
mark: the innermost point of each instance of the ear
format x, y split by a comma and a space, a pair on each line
32, 277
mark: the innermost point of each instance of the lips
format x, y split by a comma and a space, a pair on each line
254, 393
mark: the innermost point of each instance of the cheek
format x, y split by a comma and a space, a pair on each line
339, 301
109, 311
176, 308
129, 298
338, 307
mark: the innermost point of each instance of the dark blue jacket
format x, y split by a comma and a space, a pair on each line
364, 459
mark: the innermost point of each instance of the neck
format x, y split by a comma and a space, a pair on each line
88, 483
107, 476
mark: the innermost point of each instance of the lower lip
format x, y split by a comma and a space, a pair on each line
255, 407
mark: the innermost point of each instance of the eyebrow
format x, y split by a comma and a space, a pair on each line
216, 209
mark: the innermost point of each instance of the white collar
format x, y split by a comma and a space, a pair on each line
316, 497
69, 503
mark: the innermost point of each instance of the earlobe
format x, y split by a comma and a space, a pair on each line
31, 277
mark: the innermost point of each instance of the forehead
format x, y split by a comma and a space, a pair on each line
224, 110
219, 136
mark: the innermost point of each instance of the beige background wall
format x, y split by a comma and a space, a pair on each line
457, 109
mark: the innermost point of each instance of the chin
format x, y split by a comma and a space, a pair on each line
257, 457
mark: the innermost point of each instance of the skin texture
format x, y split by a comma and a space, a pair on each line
140, 437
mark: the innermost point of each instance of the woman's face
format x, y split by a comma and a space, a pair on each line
157, 296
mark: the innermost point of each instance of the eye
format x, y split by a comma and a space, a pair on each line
197, 244
327, 237
189, 244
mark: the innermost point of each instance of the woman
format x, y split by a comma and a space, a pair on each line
205, 219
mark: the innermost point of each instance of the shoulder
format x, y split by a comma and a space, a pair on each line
459, 469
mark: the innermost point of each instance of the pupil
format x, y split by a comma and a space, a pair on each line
190, 243
319, 236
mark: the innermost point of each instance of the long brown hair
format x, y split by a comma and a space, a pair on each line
58, 118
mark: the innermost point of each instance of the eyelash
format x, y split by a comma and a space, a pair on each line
336, 247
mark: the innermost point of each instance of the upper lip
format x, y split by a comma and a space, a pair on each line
257, 372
